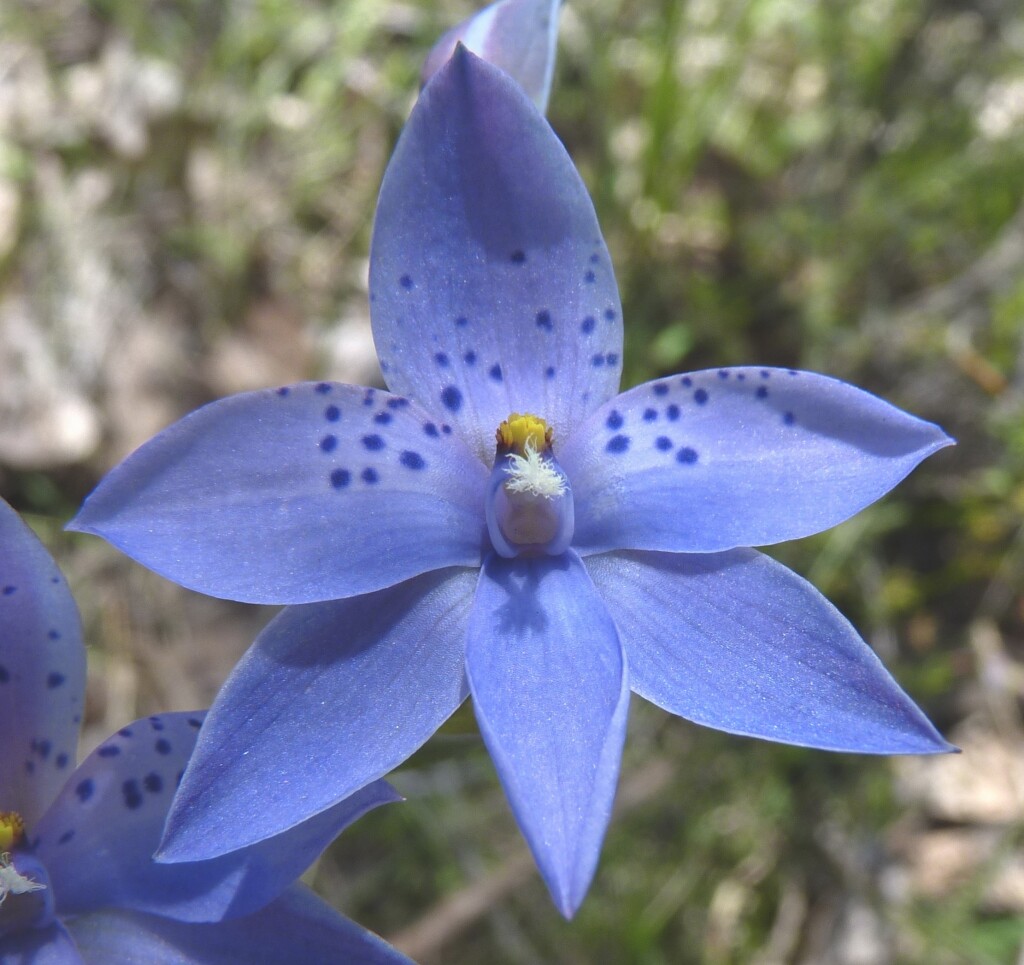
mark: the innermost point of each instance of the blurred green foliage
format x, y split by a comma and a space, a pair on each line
834, 186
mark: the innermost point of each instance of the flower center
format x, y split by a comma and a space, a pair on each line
529, 504
12, 830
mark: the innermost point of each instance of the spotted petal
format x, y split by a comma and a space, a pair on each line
738, 642
298, 927
42, 672
551, 695
491, 290
295, 495
735, 457
519, 36
99, 837
330, 697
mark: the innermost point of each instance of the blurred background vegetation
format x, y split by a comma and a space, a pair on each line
186, 197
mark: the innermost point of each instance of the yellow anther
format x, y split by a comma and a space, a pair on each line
12, 830
522, 430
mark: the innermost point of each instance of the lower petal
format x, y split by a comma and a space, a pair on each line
330, 697
42, 946
738, 642
551, 695
298, 927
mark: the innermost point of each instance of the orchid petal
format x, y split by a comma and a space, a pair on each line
298, 927
330, 697
735, 457
551, 695
42, 672
491, 290
128, 783
42, 946
295, 495
519, 36
738, 642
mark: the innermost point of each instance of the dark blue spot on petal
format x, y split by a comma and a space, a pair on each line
132, 795
446, 429
332, 413
329, 443
162, 746
495, 372
283, 391
650, 415
406, 282
462, 321
792, 372
723, 374
383, 418
323, 387
597, 361
430, 429
125, 732
762, 392
544, 321
589, 276
369, 475
663, 443
661, 389
61, 760
700, 396
765, 374
43, 749
374, 443
397, 402
672, 412
442, 359
614, 420
66, 836
612, 358
789, 418
469, 358
153, 783
594, 258
156, 723
741, 376
8, 590
4, 675
340, 478
84, 789
411, 460
53, 635
109, 750
609, 315
617, 444
194, 722
587, 325
518, 257
30, 766
549, 372
451, 398
686, 456
54, 679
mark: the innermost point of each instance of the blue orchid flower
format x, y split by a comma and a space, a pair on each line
503, 523
77, 879
519, 36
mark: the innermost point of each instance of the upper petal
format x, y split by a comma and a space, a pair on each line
519, 36
330, 697
42, 672
297, 928
738, 642
735, 457
551, 694
99, 837
311, 492
491, 290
